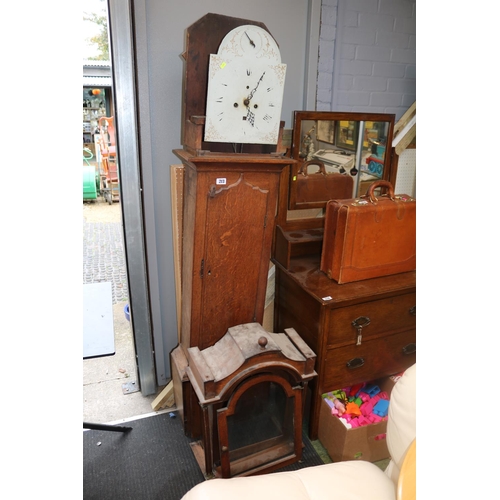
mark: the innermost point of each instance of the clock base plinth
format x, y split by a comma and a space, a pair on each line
194, 144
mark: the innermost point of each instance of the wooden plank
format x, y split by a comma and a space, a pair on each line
176, 188
405, 130
407, 116
165, 399
407, 139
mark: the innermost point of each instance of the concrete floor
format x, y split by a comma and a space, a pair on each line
110, 383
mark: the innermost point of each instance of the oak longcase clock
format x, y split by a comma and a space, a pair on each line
233, 164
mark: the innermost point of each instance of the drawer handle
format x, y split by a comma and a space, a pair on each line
355, 363
359, 323
413, 310
410, 348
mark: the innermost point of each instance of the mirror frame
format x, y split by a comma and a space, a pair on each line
300, 116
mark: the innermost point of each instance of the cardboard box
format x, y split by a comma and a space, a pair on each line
367, 442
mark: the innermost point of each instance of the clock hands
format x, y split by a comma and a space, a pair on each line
250, 40
250, 115
246, 102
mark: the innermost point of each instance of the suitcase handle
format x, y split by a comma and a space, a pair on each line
321, 165
377, 184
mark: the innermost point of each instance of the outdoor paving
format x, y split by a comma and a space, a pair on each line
110, 383
104, 257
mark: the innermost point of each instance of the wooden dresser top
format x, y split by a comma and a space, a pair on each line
305, 271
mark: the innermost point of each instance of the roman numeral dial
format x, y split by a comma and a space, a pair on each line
244, 100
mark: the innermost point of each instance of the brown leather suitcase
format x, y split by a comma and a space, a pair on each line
368, 237
321, 186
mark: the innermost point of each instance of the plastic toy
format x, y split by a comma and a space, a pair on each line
363, 420
335, 404
371, 390
381, 408
355, 389
358, 401
344, 421
352, 409
364, 397
340, 394
367, 408
339, 406
359, 405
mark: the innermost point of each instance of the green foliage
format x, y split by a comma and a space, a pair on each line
101, 40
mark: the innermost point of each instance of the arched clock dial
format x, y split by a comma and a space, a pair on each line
244, 100
250, 41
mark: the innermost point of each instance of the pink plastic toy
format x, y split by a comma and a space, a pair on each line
364, 397
367, 408
335, 404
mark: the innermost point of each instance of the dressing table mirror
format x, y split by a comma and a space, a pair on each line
351, 144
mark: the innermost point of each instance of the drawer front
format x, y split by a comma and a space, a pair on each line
371, 360
388, 315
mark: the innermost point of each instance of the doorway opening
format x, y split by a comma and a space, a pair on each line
111, 389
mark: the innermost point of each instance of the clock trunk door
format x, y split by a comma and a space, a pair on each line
237, 249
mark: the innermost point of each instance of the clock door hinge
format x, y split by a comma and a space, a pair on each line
265, 220
202, 268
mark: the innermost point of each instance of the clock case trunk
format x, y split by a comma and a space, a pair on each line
229, 220
229, 212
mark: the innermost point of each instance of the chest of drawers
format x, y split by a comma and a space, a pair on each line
359, 331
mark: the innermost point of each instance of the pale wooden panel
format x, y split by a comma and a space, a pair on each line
165, 399
405, 130
176, 187
268, 319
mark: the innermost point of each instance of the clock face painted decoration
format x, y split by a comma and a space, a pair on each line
245, 88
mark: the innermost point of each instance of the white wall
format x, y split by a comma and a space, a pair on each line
367, 57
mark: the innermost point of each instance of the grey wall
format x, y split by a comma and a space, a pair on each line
159, 30
367, 56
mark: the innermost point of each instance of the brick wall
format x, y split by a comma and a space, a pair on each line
367, 56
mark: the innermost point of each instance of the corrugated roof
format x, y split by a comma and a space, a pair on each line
97, 81
90, 62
